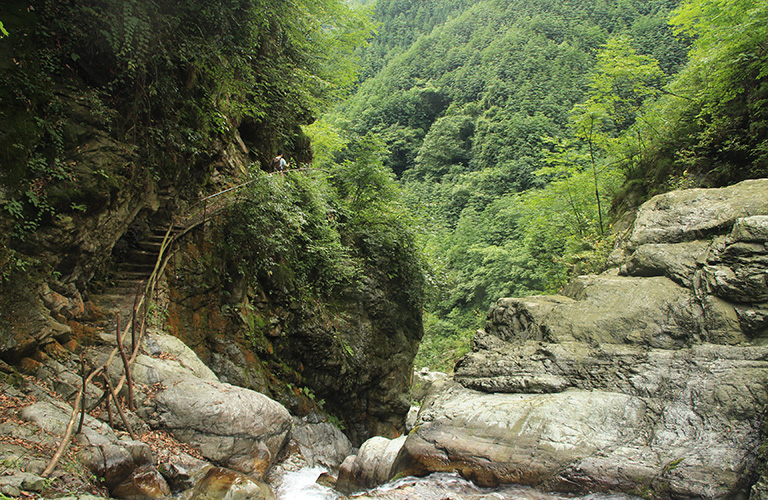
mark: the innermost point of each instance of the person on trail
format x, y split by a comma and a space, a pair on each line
279, 164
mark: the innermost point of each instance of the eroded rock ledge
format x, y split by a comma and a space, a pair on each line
650, 378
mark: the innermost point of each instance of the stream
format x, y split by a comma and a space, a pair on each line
301, 485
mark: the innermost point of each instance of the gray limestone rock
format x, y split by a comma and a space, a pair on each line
185, 357
613, 309
231, 426
692, 214
372, 465
751, 229
650, 379
110, 462
54, 417
321, 444
22, 481
676, 261
596, 439
422, 381
489, 438
737, 266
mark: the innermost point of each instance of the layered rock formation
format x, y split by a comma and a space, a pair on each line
650, 378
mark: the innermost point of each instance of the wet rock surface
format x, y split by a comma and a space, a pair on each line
372, 465
219, 483
452, 487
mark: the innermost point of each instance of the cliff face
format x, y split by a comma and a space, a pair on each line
349, 352
650, 378
54, 271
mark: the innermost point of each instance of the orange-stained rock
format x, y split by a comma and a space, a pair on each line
29, 366
220, 483
144, 483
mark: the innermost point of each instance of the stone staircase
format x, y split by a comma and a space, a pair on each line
136, 264
118, 296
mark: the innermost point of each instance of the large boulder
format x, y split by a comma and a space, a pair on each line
617, 309
372, 465
321, 444
223, 484
231, 426
124, 466
177, 396
699, 404
490, 438
234, 427
698, 444
693, 214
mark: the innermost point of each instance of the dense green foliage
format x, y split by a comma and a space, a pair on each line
711, 127
481, 104
318, 237
404, 21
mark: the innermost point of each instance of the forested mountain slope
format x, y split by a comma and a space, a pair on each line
515, 68
507, 97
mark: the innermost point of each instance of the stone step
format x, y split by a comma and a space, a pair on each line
151, 245
114, 302
157, 235
132, 275
145, 268
127, 281
142, 257
127, 287
156, 238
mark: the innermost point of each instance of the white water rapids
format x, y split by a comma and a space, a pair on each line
301, 485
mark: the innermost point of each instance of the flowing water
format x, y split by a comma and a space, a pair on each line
301, 485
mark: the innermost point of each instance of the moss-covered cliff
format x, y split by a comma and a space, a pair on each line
290, 293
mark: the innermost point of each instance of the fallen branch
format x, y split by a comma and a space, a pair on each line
108, 397
126, 365
136, 302
68, 433
118, 405
83, 366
